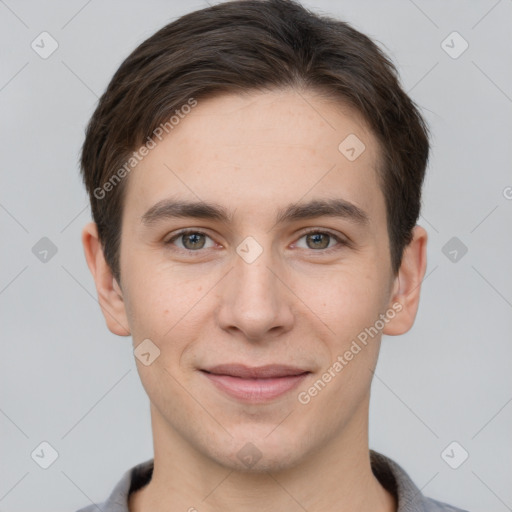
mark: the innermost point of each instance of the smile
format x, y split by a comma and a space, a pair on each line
255, 384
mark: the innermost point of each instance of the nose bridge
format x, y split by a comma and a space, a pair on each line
254, 300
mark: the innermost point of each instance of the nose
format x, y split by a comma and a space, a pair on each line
256, 300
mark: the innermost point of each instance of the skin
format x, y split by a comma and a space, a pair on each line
296, 304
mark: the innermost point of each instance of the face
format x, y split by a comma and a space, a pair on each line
253, 298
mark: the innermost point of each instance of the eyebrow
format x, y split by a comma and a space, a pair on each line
169, 209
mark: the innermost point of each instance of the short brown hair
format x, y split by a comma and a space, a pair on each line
252, 45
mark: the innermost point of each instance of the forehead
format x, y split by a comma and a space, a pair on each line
256, 153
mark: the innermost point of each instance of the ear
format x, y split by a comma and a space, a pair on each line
110, 296
407, 284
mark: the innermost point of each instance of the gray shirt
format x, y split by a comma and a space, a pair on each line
389, 474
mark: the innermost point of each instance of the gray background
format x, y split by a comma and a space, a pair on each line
67, 380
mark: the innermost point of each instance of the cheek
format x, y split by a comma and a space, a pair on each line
350, 309
159, 305
350, 301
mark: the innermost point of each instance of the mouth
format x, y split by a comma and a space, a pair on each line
255, 384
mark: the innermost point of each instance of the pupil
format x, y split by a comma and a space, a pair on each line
317, 238
193, 239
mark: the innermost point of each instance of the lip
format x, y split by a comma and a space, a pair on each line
255, 384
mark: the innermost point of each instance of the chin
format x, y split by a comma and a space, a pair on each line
260, 453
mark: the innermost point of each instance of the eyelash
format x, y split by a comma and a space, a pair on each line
341, 242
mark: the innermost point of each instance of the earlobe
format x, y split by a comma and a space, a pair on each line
407, 286
110, 296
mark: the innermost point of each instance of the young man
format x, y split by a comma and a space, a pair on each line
255, 176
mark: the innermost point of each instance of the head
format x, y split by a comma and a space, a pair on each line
304, 159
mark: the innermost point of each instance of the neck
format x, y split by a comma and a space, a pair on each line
337, 477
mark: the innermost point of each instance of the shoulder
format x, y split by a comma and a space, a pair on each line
432, 505
396, 480
91, 508
132, 480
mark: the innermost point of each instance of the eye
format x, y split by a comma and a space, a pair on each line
317, 240
321, 240
190, 240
